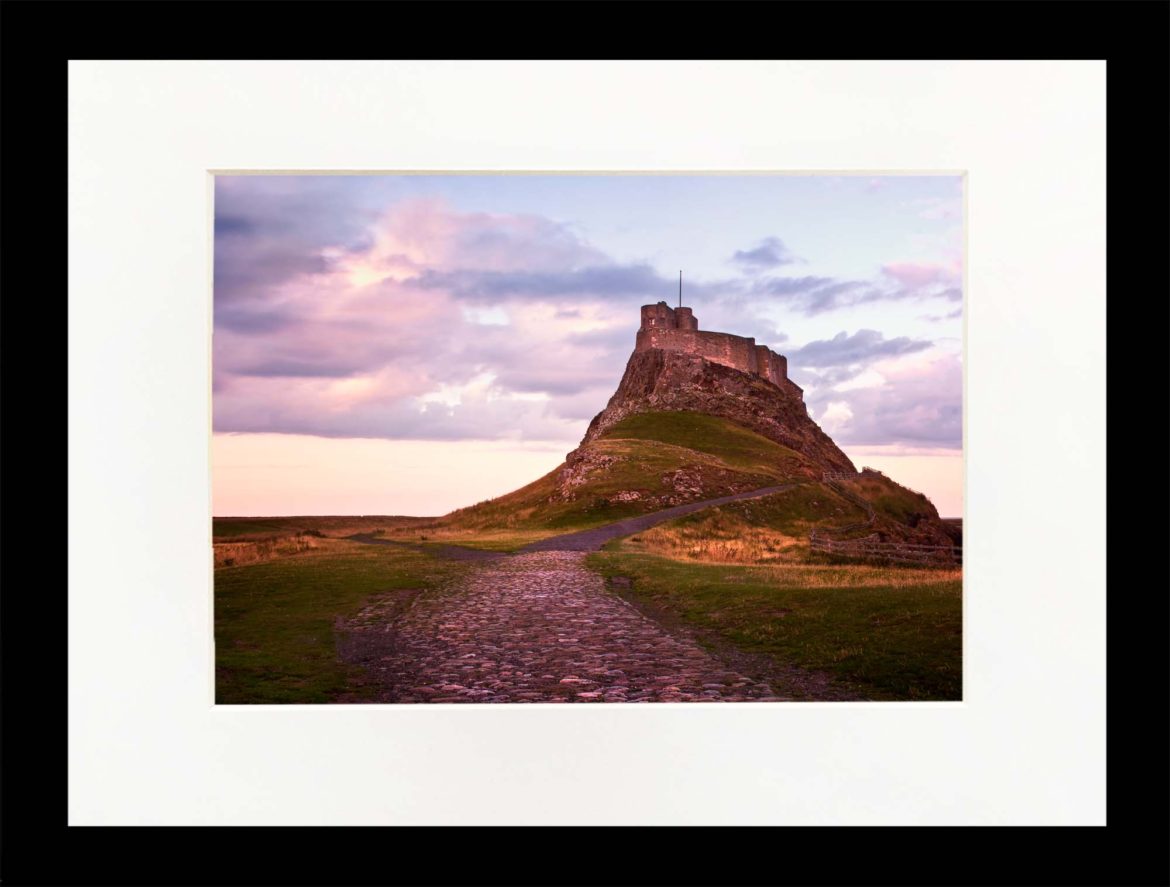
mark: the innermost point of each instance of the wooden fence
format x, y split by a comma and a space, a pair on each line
831, 476
870, 548
833, 479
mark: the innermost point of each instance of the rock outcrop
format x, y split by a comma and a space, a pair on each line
673, 381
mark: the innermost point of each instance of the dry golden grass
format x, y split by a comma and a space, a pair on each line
854, 575
260, 529
748, 545
236, 554
771, 530
779, 558
494, 540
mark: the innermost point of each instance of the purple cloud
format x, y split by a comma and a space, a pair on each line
421, 321
768, 253
918, 401
862, 347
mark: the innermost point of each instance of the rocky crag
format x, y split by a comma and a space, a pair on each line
658, 380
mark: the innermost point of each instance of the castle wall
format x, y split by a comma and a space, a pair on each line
773, 366
671, 329
770, 368
660, 316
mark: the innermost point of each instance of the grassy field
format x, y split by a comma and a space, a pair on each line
274, 621
893, 633
255, 528
740, 575
888, 632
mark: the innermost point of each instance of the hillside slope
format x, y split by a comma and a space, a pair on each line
647, 462
679, 429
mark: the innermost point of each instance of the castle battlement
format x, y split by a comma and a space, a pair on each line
677, 329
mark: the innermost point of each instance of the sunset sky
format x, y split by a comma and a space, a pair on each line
413, 344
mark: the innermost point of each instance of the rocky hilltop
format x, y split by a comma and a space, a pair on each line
657, 380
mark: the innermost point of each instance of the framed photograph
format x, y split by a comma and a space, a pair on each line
465, 451
353, 296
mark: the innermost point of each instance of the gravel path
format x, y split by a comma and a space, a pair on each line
592, 540
537, 627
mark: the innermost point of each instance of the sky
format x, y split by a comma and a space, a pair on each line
414, 344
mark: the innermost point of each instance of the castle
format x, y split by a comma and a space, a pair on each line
677, 329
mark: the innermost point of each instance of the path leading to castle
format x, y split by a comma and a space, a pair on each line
538, 626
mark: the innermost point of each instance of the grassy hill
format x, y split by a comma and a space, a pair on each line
646, 462
892, 500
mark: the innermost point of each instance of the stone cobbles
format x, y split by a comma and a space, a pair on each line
540, 627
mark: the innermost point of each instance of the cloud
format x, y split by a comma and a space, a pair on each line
813, 295
419, 321
917, 403
768, 253
269, 231
836, 415
599, 282
427, 323
862, 347
916, 275
314, 410
898, 281
939, 318
937, 208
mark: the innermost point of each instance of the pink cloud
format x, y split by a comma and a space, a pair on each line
915, 275
354, 345
428, 233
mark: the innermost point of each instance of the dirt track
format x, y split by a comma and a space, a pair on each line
592, 540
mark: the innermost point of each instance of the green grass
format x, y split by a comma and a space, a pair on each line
229, 527
892, 633
735, 445
641, 469
274, 621
792, 512
646, 449
224, 528
507, 542
891, 499
767, 530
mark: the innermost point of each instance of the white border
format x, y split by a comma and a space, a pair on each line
1027, 745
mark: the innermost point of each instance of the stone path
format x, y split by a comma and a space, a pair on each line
537, 627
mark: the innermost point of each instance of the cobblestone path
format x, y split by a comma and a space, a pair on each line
539, 627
